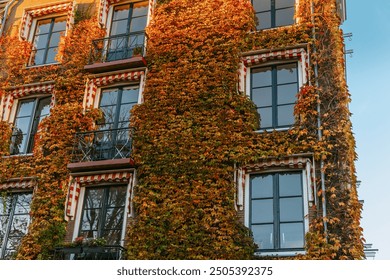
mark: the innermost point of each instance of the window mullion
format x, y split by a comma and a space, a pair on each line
103, 212
273, 14
274, 97
276, 211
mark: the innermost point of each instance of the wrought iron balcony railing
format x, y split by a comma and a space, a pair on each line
117, 47
103, 145
106, 252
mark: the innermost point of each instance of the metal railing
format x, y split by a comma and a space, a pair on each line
103, 145
106, 252
117, 47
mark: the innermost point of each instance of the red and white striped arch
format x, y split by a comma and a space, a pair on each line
77, 182
103, 81
18, 184
293, 162
47, 10
23, 91
247, 61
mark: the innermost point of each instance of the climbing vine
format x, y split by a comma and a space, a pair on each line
192, 129
54, 142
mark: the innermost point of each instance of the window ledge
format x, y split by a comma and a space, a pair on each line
274, 129
19, 155
280, 254
42, 65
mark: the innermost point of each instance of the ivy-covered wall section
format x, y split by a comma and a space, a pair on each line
54, 142
193, 129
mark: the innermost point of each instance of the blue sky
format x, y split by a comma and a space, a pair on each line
368, 78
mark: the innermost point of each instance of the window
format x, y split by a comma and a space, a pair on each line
14, 221
29, 113
46, 40
116, 104
103, 213
127, 29
276, 211
273, 13
113, 139
274, 90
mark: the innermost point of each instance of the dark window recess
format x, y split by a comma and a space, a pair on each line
46, 40
276, 211
14, 221
274, 13
103, 213
29, 114
274, 90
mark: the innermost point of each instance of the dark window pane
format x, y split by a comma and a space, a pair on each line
38, 57
261, 77
261, 5
287, 94
14, 221
130, 95
290, 184
119, 27
43, 26
117, 197
262, 211
90, 219
138, 24
22, 125
43, 109
94, 198
263, 236
25, 108
51, 55
262, 96
59, 24
40, 42
140, 9
264, 20
109, 97
136, 40
55, 39
265, 117
114, 218
287, 73
262, 186
284, 17
284, 3
291, 209
121, 12
291, 235
124, 113
286, 115
23, 204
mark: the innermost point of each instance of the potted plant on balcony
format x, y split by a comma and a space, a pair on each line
137, 51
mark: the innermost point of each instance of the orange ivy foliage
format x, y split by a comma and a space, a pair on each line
189, 130
192, 129
54, 142
193, 126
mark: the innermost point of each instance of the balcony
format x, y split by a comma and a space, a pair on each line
106, 252
117, 53
100, 149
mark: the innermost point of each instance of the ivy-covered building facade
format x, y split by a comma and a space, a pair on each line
176, 129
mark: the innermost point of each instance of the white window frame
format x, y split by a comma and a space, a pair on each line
80, 204
301, 82
15, 107
306, 200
